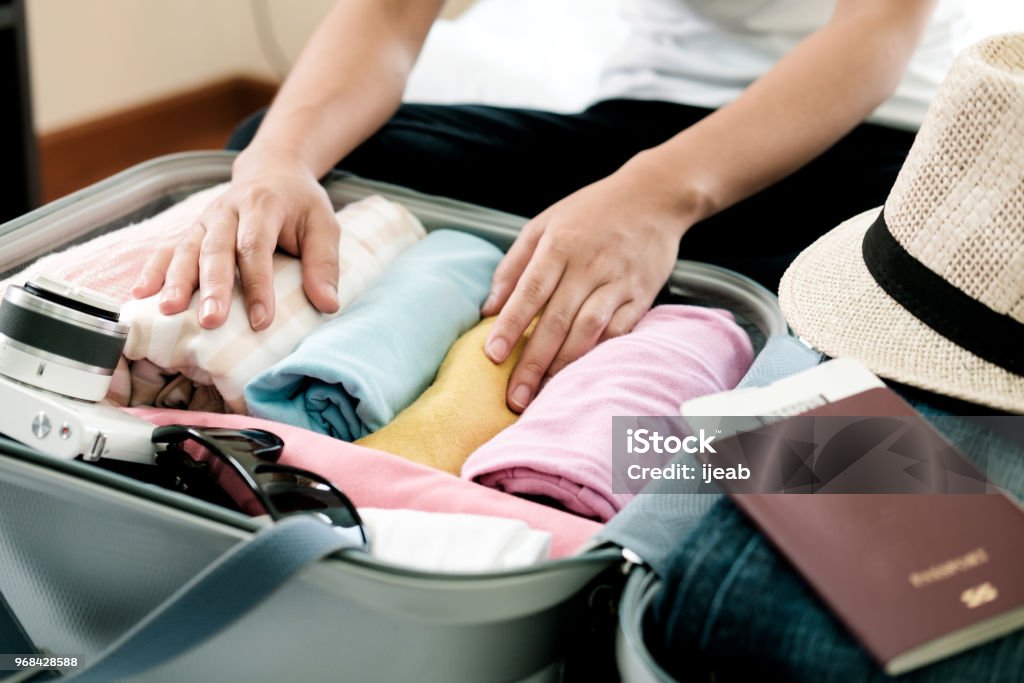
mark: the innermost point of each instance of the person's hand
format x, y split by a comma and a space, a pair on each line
273, 201
591, 265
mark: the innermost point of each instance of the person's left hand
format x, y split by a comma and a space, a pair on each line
593, 262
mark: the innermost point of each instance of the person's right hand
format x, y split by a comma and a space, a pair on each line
273, 201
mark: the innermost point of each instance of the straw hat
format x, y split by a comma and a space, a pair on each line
929, 290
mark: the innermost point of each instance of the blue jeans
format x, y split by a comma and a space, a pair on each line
731, 605
734, 607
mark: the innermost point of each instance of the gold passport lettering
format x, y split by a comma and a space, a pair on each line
979, 595
949, 568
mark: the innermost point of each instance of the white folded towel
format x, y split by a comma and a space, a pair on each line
453, 542
373, 232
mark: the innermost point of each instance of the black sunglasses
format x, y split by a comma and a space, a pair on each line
245, 465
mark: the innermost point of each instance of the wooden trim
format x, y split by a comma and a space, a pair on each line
202, 118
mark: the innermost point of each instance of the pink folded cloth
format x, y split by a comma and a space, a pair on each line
111, 263
373, 478
561, 446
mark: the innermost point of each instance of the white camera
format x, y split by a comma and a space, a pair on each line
59, 346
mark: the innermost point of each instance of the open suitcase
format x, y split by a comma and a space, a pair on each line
85, 553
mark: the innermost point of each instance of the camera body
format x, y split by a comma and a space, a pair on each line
59, 346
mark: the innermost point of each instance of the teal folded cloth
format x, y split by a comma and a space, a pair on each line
353, 374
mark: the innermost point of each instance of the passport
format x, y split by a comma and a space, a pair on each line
915, 577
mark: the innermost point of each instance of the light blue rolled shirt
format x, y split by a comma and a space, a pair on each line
354, 373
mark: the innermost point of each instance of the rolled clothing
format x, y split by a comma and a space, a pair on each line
561, 447
111, 263
462, 409
120, 392
374, 231
353, 374
453, 542
669, 509
375, 479
152, 386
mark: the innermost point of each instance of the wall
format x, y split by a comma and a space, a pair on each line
90, 58
287, 24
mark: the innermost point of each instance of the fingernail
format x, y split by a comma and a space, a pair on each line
521, 396
257, 316
209, 308
491, 298
140, 283
331, 290
497, 349
169, 294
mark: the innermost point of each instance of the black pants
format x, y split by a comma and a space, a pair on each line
522, 161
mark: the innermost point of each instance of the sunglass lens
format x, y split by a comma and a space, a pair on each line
293, 492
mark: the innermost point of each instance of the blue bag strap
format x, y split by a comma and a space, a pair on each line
226, 590
661, 517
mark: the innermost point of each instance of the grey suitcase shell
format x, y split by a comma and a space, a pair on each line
85, 554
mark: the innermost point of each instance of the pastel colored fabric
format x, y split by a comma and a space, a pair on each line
381, 480
152, 386
110, 263
669, 509
453, 542
561, 447
462, 409
374, 231
120, 392
353, 374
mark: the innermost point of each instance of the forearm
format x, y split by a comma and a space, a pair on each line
345, 85
812, 97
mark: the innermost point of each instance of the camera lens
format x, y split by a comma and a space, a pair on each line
80, 301
60, 338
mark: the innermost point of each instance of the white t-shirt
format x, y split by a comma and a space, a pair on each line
706, 52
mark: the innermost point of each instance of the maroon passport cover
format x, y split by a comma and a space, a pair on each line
903, 570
